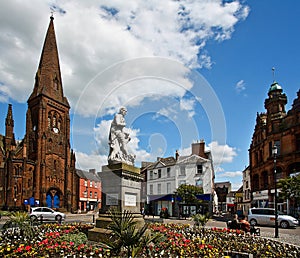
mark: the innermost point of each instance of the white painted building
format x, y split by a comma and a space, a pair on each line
166, 174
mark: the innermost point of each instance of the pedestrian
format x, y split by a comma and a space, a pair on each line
143, 212
245, 225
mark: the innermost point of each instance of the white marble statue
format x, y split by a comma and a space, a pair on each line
118, 140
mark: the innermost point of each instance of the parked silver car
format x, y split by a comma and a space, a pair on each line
46, 214
266, 216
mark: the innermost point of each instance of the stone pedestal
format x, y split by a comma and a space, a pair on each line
121, 189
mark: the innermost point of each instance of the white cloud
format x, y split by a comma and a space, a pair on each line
240, 86
94, 35
114, 53
90, 161
221, 153
231, 174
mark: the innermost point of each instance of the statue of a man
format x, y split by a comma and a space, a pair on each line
118, 140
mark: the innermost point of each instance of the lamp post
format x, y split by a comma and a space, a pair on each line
274, 151
87, 198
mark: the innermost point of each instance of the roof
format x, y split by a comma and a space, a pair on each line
165, 162
275, 86
88, 175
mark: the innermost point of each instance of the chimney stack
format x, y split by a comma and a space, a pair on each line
198, 148
176, 155
92, 170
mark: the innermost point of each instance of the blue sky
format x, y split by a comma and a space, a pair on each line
185, 70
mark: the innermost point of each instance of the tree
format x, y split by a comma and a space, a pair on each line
290, 189
188, 193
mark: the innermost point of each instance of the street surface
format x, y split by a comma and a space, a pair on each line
289, 235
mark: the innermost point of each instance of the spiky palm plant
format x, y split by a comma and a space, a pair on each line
20, 222
126, 235
200, 220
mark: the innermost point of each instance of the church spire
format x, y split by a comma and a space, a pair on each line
9, 128
9, 122
48, 77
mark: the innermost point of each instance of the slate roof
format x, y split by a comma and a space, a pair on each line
88, 175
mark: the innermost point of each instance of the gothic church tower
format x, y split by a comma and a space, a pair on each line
48, 131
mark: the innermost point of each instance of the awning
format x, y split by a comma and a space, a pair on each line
171, 197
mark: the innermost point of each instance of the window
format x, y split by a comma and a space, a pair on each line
168, 172
182, 182
265, 179
255, 182
85, 183
182, 170
270, 149
96, 195
168, 188
159, 173
199, 169
278, 145
151, 175
159, 188
91, 194
91, 183
151, 189
199, 183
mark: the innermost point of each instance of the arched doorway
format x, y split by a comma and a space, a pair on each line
53, 198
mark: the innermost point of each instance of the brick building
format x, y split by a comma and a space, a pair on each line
40, 169
280, 128
90, 190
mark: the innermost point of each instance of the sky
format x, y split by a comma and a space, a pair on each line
185, 70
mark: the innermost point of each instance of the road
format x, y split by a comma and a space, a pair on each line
289, 235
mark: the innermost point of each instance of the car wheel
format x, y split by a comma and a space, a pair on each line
253, 222
33, 218
58, 218
284, 224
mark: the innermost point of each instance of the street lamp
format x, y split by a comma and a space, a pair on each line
274, 152
87, 198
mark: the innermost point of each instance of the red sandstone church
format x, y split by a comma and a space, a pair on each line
40, 169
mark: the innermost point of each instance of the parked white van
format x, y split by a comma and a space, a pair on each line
266, 216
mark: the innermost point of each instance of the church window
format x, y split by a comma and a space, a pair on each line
49, 122
54, 121
58, 123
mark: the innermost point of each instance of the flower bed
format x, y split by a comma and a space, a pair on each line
50, 240
68, 240
185, 241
